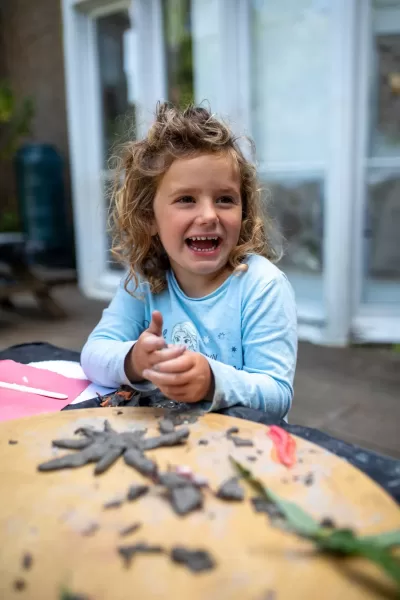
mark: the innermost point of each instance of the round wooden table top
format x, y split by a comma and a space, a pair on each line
59, 518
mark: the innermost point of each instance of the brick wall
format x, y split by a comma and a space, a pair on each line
31, 58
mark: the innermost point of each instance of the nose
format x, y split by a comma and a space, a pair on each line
207, 213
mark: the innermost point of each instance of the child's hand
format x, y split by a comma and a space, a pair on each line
186, 378
149, 350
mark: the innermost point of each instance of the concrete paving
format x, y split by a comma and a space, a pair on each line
351, 393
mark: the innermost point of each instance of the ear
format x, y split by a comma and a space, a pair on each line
153, 228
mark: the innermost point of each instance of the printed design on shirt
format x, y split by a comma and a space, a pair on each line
185, 334
233, 349
221, 335
165, 333
206, 339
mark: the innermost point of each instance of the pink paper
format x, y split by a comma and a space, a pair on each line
15, 404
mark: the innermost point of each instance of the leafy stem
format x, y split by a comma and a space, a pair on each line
332, 540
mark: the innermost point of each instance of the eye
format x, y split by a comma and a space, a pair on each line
185, 200
226, 200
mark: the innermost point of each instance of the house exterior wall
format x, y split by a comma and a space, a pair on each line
31, 59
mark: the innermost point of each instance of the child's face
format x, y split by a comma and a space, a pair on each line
199, 198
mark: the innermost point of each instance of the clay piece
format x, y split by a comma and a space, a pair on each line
136, 459
12, 442
166, 439
309, 479
27, 561
19, 584
116, 503
106, 446
90, 529
252, 458
238, 441
261, 505
195, 560
129, 529
328, 523
231, 490
136, 491
172, 480
203, 442
166, 426
128, 552
231, 431
185, 499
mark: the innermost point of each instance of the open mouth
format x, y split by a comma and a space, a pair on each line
206, 243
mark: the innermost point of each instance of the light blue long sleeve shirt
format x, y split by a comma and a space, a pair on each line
247, 329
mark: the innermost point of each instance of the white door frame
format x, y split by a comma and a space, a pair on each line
95, 279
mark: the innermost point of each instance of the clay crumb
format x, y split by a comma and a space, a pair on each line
19, 584
120, 412
231, 490
309, 479
231, 431
129, 529
113, 503
195, 560
240, 442
252, 458
90, 529
185, 499
27, 561
128, 552
12, 442
203, 442
136, 491
328, 523
259, 452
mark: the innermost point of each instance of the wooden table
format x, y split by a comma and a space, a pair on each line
48, 515
19, 277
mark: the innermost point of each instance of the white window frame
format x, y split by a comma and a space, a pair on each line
371, 322
342, 316
329, 322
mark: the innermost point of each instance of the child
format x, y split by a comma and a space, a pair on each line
203, 315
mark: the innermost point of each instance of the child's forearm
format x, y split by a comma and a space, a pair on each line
253, 389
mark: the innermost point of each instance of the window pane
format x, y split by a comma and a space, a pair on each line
114, 56
296, 206
381, 235
290, 79
385, 96
178, 51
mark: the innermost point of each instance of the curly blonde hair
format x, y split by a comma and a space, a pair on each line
142, 164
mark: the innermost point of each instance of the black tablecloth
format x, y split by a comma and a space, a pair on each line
382, 469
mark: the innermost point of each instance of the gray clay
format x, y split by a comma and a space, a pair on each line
195, 560
172, 480
231, 490
136, 491
128, 552
130, 529
166, 426
166, 439
27, 561
136, 459
239, 442
186, 499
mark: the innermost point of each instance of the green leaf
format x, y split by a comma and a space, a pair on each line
300, 521
342, 542
345, 543
389, 539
